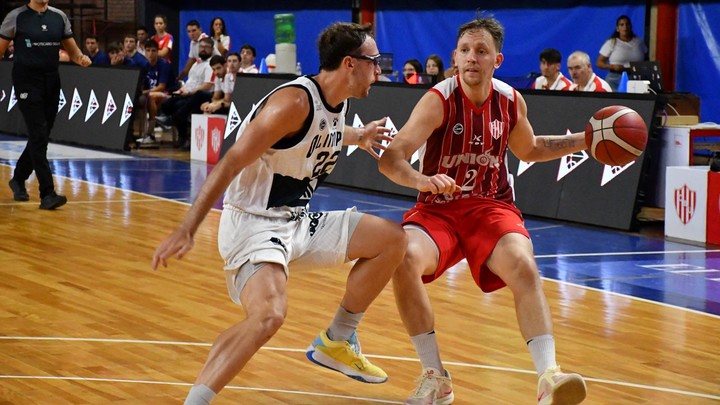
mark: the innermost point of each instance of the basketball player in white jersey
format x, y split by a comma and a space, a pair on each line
464, 126
285, 147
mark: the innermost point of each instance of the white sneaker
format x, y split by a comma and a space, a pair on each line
558, 388
146, 140
433, 389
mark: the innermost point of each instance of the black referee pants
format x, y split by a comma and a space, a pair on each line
37, 95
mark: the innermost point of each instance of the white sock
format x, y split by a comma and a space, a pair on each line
542, 350
200, 395
344, 324
427, 349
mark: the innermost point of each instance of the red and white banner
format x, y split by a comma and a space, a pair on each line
206, 136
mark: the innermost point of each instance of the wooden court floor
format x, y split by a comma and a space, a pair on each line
84, 320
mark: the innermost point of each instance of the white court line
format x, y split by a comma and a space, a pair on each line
657, 252
285, 349
227, 387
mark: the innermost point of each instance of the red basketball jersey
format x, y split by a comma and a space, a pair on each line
471, 144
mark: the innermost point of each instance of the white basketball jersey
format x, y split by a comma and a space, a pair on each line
285, 177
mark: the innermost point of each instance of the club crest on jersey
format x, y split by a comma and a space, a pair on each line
458, 129
496, 129
323, 124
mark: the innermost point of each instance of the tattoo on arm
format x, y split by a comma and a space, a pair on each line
558, 143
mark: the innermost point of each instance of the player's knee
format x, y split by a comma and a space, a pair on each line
271, 321
524, 274
416, 262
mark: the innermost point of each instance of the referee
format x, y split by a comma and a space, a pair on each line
38, 31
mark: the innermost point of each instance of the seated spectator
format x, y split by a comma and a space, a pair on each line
132, 56
452, 70
220, 36
552, 78
184, 100
247, 59
157, 85
142, 35
411, 69
195, 34
116, 53
582, 74
435, 68
92, 50
224, 85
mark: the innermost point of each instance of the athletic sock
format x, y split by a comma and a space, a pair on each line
200, 395
427, 349
542, 350
344, 324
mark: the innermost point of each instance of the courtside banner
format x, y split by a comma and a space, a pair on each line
95, 109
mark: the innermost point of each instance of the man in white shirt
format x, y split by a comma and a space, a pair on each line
195, 34
552, 78
224, 85
582, 74
247, 59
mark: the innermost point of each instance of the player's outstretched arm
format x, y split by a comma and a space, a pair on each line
528, 147
369, 137
263, 131
425, 118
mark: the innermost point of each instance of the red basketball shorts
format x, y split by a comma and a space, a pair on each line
468, 228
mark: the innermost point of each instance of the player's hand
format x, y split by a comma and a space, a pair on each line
177, 243
374, 135
438, 184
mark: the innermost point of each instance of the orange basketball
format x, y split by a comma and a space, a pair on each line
616, 135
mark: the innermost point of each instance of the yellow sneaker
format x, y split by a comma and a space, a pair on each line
558, 388
344, 357
433, 388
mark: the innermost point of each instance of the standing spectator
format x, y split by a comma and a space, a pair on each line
163, 38
247, 59
465, 209
220, 36
266, 230
36, 81
552, 78
619, 50
157, 85
582, 74
224, 87
435, 68
92, 50
411, 70
195, 34
142, 35
183, 102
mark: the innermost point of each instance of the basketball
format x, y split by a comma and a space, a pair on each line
616, 135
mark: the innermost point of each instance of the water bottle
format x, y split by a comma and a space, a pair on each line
298, 69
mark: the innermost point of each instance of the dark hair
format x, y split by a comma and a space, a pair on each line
130, 35
193, 22
235, 54
339, 40
416, 64
616, 34
207, 41
212, 30
151, 43
551, 55
441, 67
141, 27
91, 36
217, 59
488, 23
163, 16
114, 47
250, 48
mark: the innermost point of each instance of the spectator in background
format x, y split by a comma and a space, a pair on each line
159, 81
195, 34
582, 74
220, 36
92, 50
552, 78
619, 50
163, 38
10, 51
435, 68
142, 35
220, 102
132, 56
411, 69
116, 53
247, 59
452, 70
200, 80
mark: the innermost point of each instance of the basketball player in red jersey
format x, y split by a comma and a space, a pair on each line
465, 208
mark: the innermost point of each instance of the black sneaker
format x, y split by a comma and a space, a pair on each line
52, 201
19, 192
